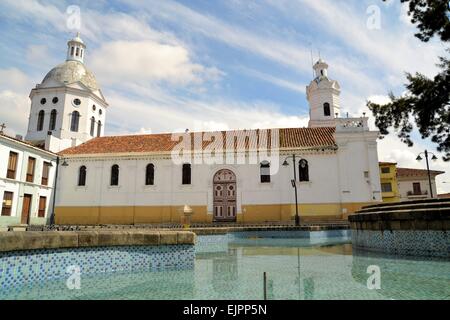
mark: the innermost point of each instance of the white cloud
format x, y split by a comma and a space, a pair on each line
269, 47
14, 112
14, 79
38, 53
122, 61
393, 48
14, 101
194, 115
282, 83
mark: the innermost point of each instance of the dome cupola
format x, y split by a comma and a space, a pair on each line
76, 49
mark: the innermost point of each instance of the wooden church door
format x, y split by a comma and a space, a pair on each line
224, 204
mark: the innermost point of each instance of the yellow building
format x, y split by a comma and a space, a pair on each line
389, 183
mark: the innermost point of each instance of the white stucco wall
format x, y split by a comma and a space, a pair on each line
405, 184
19, 186
335, 177
64, 108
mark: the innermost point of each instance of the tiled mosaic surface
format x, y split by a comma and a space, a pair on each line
34, 266
212, 243
327, 271
404, 242
297, 234
220, 243
296, 269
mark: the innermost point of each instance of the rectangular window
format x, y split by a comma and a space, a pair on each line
385, 170
42, 206
30, 169
416, 188
45, 172
12, 165
7, 203
186, 177
386, 187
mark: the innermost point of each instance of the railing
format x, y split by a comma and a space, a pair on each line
352, 124
417, 193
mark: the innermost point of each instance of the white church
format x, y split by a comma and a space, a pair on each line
140, 179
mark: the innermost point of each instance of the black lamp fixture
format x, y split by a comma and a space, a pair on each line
434, 158
294, 185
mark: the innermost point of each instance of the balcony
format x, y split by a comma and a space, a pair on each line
351, 124
417, 194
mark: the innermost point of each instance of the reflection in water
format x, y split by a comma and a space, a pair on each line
295, 270
225, 272
308, 283
406, 277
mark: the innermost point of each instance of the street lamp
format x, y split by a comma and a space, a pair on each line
434, 158
294, 184
64, 164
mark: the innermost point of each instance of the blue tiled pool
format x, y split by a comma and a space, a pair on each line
298, 266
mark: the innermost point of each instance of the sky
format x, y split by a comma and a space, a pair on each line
168, 65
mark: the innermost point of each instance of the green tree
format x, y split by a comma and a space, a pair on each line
427, 100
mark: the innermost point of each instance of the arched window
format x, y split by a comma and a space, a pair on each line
40, 121
72, 49
77, 52
186, 173
115, 175
52, 124
303, 170
150, 174
82, 176
75, 121
326, 109
92, 126
99, 128
264, 170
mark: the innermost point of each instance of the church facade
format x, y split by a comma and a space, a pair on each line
243, 176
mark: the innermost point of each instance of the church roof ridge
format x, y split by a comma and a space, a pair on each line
299, 137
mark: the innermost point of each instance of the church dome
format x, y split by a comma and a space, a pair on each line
71, 72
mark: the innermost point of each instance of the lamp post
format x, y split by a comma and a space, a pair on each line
64, 164
434, 158
294, 184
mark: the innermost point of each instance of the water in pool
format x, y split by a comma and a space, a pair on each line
232, 267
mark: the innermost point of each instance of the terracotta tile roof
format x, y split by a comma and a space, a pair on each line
384, 163
162, 142
444, 196
409, 172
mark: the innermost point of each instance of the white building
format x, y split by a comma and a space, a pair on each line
135, 179
140, 178
413, 184
26, 183
67, 108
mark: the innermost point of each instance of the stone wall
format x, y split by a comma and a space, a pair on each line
18, 241
419, 228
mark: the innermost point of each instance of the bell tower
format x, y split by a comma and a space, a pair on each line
67, 107
323, 97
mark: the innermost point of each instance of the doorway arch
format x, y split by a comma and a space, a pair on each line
224, 196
